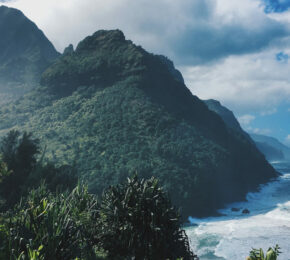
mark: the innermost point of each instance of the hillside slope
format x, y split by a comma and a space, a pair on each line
25, 53
112, 109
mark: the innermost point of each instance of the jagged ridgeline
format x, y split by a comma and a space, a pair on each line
25, 53
112, 109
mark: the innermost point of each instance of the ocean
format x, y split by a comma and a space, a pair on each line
232, 235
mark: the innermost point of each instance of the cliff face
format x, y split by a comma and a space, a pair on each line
25, 53
112, 110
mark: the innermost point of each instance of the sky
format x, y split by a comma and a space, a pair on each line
237, 52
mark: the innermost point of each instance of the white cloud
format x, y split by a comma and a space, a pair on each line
245, 120
147, 22
187, 31
281, 17
259, 131
247, 83
270, 111
287, 139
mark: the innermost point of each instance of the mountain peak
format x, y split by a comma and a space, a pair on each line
214, 102
105, 56
102, 38
6, 9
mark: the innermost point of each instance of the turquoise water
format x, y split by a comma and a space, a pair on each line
232, 236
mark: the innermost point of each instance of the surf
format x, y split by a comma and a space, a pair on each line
233, 234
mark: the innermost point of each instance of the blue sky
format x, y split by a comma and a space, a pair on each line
274, 123
231, 50
277, 6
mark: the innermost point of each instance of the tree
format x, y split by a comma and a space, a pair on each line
137, 220
19, 154
4, 174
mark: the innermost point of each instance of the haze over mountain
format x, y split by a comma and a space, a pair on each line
274, 149
112, 109
25, 53
269, 146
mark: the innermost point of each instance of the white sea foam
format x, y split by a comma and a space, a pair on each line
232, 236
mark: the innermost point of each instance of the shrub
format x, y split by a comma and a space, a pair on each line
138, 221
49, 226
258, 254
133, 220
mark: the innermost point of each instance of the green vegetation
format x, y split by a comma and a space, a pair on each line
77, 226
137, 220
20, 171
258, 254
131, 220
111, 109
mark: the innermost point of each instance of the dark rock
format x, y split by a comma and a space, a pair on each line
68, 50
236, 209
246, 211
173, 71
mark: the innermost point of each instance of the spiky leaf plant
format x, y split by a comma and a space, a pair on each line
47, 226
258, 254
138, 221
133, 221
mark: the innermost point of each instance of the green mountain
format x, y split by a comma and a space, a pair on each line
112, 109
25, 53
271, 147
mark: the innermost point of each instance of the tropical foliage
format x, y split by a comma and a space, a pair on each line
137, 220
76, 225
258, 254
44, 218
20, 170
52, 226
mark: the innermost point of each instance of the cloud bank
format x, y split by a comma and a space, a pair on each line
245, 120
287, 140
254, 82
190, 32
